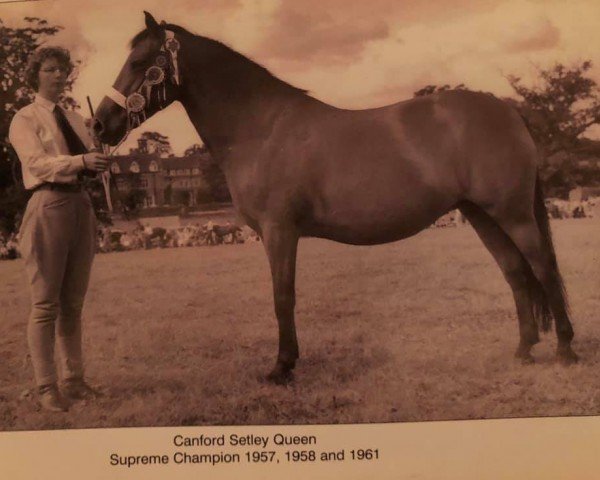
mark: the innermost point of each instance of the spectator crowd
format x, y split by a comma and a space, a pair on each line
193, 235
559, 209
143, 236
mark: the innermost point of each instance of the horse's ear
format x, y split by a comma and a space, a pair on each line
151, 24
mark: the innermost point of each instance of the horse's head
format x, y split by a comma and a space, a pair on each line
147, 83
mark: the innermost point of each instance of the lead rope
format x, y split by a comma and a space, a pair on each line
120, 100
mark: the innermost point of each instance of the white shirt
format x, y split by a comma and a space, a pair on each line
41, 146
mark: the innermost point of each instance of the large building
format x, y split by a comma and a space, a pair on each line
149, 179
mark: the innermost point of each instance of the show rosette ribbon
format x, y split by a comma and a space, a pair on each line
153, 87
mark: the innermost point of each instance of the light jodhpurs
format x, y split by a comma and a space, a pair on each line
57, 241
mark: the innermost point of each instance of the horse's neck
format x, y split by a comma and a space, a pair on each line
227, 113
223, 122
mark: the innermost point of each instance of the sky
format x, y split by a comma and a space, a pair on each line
349, 53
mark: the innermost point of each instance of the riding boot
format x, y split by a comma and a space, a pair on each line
78, 389
51, 399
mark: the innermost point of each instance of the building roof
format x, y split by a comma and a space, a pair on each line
176, 163
144, 161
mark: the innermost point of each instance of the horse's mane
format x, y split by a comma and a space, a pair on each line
253, 72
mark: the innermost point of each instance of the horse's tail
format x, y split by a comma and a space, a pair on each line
541, 309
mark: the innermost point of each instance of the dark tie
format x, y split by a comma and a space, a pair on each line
74, 143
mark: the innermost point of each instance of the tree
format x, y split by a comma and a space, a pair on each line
212, 173
195, 149
561, 108
216, 182
558, 111
153, 142
430, 89
16, 45
132, 201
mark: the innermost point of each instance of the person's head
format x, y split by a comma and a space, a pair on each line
47, 71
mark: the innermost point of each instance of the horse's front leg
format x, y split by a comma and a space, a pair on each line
281, 244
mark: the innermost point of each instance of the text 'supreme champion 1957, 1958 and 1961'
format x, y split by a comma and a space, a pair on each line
236, 448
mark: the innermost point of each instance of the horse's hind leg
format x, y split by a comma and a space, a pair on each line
530, 231
516, 272
281, 244
526, 236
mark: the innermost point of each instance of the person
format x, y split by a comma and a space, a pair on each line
12, 246
57, 234
211, 236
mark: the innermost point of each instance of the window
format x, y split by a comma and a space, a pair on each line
195, 171
143, 183
153, 166
172, 173
187, 171
114, 167
134, 167
180, 171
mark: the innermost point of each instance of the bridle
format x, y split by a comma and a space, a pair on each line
152, 87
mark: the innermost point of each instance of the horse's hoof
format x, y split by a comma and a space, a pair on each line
525, 359
524, 356
566, 356
280, 376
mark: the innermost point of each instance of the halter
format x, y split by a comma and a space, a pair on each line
152, 87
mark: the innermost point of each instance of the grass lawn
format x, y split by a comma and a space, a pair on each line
423, 329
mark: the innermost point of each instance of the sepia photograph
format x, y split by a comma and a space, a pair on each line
262, 212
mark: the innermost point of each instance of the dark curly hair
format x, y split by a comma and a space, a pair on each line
40, 56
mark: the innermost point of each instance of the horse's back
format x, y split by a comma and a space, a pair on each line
381, 174
389, 172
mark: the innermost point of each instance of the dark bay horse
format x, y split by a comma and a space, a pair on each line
297, 167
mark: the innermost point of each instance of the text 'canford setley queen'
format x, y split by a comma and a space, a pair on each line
247, 440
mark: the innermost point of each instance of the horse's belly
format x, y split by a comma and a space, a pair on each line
354, 236
371, 226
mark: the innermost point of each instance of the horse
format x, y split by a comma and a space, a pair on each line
153, 236
298, 167
222, 231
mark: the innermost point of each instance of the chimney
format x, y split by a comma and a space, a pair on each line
143, 145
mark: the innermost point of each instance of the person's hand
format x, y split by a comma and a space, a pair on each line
95, 161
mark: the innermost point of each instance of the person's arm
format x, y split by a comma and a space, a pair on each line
33, 157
